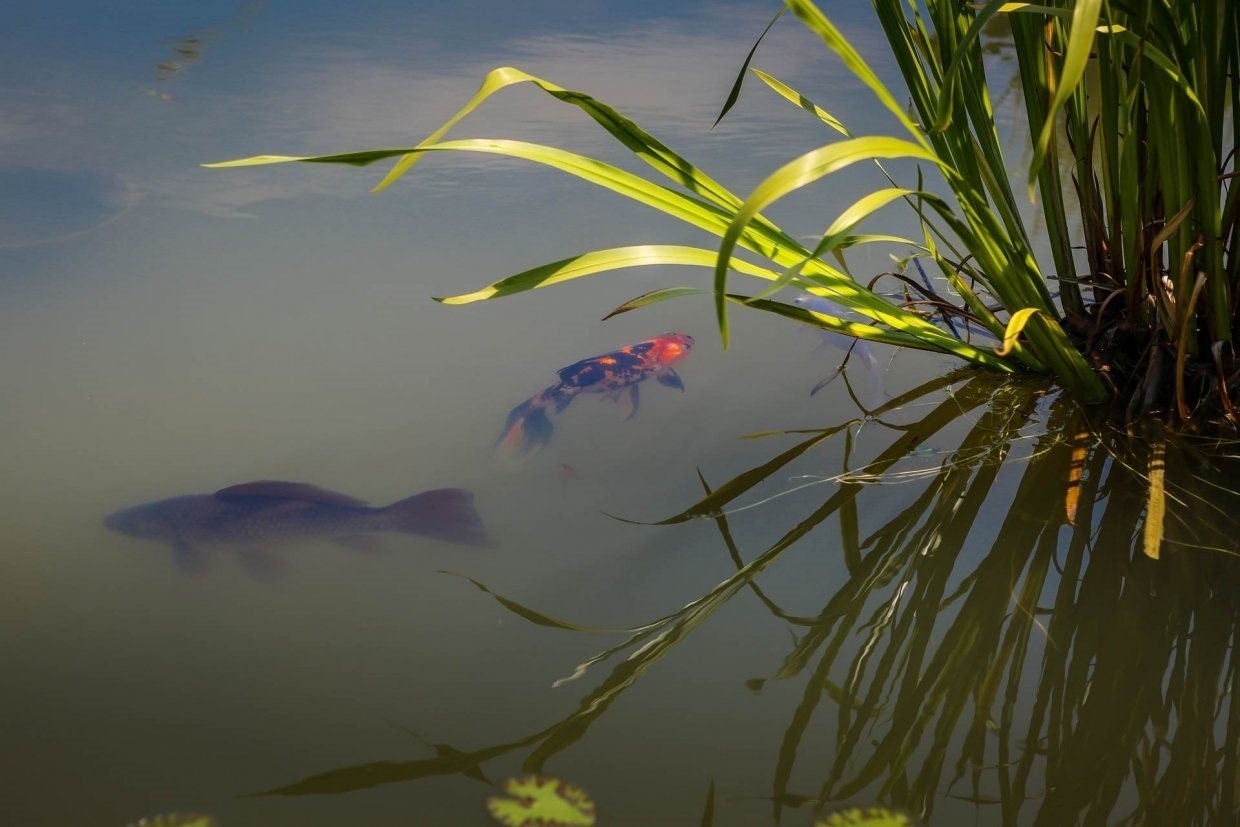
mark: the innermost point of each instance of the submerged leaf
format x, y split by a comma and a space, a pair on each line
176, 820
708, 814
540, 619
867, 817
536, 801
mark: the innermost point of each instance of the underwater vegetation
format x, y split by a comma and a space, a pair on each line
1062, 676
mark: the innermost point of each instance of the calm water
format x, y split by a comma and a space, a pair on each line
941, 638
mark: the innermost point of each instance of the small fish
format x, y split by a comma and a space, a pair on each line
254, 516
616, 375
857, 347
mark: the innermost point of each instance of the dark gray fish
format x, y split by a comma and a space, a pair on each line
255, 516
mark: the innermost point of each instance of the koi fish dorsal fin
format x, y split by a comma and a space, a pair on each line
276, 490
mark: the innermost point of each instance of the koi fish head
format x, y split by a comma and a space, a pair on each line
671, 347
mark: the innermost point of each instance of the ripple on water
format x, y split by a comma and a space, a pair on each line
45, 206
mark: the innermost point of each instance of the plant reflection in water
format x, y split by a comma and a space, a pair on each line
1060, 677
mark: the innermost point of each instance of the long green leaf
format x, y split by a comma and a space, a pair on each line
601, 261
1080, 41
837, 233
810, 167
820, 25
735, 94
787, 92
641, 143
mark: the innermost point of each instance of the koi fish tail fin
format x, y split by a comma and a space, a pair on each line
528, 427
444, 513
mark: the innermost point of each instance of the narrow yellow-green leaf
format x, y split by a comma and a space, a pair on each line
601, 261
856, 330
947, 87
1080, 41
1032, 8
808, 168
1014, 327
800, 100
640, 142
735, 94
819, 24
357, 159
857, 212
655, 296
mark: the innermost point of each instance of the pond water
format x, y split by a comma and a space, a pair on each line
938, 634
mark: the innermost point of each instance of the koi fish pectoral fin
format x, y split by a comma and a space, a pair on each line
628, 401
670, 378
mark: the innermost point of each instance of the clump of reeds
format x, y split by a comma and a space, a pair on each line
1132, 116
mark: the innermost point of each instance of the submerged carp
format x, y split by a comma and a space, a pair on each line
616, 375
254, 516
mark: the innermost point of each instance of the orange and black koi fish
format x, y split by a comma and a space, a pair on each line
616, 374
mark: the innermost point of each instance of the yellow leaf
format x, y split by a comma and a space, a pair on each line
1017, 323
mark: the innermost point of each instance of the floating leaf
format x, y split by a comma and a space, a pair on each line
539, 801
867, 817
176, 820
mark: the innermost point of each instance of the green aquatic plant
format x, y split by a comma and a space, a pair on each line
866, 817
1133, 103
176, 820
1057, 675
533, 801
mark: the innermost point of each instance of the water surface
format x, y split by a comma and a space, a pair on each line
171, 330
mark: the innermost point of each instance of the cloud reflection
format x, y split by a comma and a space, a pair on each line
669, 75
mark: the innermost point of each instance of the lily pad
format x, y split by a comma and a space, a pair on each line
536, 801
